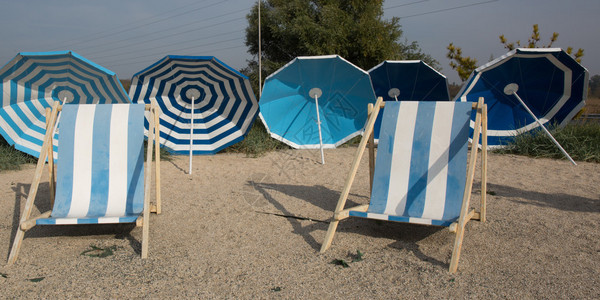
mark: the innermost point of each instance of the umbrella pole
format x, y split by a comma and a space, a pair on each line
191, 133
320, 135
545, 130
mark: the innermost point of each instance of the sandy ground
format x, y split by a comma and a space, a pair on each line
223, 234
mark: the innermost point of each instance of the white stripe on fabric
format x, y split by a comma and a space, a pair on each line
117, 180
419, 221
400, 168
109, 220
435, 197
82, 161
65, 221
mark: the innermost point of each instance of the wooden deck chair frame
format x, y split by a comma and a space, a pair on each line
466, 213
26, 222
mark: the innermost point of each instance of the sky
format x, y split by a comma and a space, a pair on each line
126, 36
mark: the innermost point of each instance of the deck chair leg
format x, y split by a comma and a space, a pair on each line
460, 231
483, 209
147, 183
348, 185
157, 160
14, 251
464, 212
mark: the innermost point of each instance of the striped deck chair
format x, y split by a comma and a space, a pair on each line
421, 174
100, 172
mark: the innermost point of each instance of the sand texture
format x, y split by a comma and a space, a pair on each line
227, 232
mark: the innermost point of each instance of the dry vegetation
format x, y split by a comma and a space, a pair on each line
592, 106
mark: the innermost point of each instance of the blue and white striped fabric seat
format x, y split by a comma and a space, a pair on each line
421, 164
100, 172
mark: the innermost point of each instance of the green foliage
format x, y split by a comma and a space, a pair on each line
340, 262
355, 258
464, 65
257, 142
11, 158
354, 29
581, 141
37, 279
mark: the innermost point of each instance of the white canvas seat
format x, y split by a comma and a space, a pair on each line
421, 174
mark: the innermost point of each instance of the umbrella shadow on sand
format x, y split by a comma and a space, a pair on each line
560, 201
406, 235
42, 204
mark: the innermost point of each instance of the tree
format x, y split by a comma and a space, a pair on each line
354, 29
594, 86
464, 65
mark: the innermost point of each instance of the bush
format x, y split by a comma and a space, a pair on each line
581, 141
256, 143
11, 158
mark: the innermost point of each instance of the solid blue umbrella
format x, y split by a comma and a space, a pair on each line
340, 90
32, 81
411, 80
524, 85
205, 105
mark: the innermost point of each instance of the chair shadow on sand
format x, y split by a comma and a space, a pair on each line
559, 201
42, 203
406, 235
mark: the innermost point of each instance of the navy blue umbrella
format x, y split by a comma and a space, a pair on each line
526, 89
411, 80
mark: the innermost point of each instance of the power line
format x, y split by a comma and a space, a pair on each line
405, 4
155, 38
448, 9
108, 33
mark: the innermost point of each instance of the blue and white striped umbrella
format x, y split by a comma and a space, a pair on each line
407, 80
32, 81
219, 98
548, 80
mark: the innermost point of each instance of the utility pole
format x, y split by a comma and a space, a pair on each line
259, 54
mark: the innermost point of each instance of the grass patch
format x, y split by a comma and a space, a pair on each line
581, 141
257, 142
11, 158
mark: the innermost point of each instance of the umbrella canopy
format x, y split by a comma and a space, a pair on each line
548, 80
287, 108
219, 98
411, 80
31, 82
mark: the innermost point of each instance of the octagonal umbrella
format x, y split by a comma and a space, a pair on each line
412, 80
206, 105
316, 102
527, 89
32, 81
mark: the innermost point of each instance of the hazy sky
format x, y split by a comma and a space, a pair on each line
126, 36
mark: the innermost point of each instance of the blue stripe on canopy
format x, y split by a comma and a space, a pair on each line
224, 104
32, 81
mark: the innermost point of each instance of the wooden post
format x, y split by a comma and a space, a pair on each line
483, 208
14, 251
350, 179
148, 182
464, 211
371, 153
157, 160
51, 178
